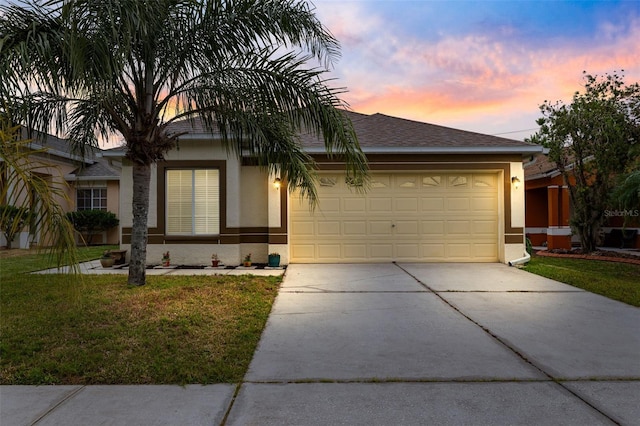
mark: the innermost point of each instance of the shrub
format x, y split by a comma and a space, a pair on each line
12, 220
92, 222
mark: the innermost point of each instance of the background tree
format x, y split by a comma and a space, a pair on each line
133, 67
592, 141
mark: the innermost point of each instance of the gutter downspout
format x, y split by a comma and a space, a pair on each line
521, 260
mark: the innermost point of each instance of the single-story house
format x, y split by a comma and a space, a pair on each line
548, 209
88, 182
436, 194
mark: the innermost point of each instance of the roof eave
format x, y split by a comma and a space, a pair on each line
58, 153
530, 149
76, 178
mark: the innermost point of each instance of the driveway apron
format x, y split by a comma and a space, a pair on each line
440, 344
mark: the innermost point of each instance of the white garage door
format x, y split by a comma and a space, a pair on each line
421, 217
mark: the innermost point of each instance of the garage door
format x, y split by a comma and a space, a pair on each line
424, 217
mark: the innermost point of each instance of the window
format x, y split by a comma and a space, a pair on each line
193, 202
91, 199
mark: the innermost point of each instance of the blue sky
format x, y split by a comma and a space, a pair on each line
483, 66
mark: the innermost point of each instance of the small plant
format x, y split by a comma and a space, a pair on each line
214, 256
107, 260
274, 260
166, 259
215, 260
247, 260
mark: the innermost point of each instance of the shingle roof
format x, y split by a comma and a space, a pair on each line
92, 163
99, 170
379, 131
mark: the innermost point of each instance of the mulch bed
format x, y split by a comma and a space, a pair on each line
609, 256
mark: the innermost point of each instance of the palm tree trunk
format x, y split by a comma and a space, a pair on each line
138, 262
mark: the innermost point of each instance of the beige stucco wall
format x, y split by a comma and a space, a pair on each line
254, 197
246, 206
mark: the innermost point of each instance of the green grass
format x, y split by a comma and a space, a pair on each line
179, 329
19, 261
618, 281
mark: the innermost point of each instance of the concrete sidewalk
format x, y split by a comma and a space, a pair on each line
406, 344
95, 268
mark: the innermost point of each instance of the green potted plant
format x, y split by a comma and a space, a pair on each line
247, 260
215, 261
166, 259
106, 260
274, 260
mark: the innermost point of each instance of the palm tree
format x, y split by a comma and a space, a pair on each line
91, 68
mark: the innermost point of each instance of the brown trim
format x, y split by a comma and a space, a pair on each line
513, 239
418, 159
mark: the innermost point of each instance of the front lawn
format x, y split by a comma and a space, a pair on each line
619, 281
178, 329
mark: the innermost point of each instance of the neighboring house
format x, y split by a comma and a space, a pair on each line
436, 195
89, 182
548, 210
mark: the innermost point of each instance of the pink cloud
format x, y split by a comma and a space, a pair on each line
475, 76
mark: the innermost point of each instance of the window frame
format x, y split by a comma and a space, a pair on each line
92, 198
193, 207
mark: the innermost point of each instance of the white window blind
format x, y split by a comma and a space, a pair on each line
193, 202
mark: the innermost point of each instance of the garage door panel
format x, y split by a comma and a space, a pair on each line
408, 251
403, 205
432, 227
327, 228
355, 251
458, 250
303, 252
458, 227
458, 204
355, 228
303, 228
433, 251
406, 227
432, 204
404, 217
485, 227
485, 251
383, 205
329, 205
381, 251
329, 251
354, 205
486, 204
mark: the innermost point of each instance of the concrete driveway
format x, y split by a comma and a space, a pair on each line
441, 344
407, 344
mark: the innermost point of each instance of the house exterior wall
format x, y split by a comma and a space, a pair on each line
52, 171
244, 204
255, 214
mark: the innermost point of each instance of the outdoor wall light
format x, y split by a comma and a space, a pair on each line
277, 183
515, 181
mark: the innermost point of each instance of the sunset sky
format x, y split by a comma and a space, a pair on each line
484, 66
